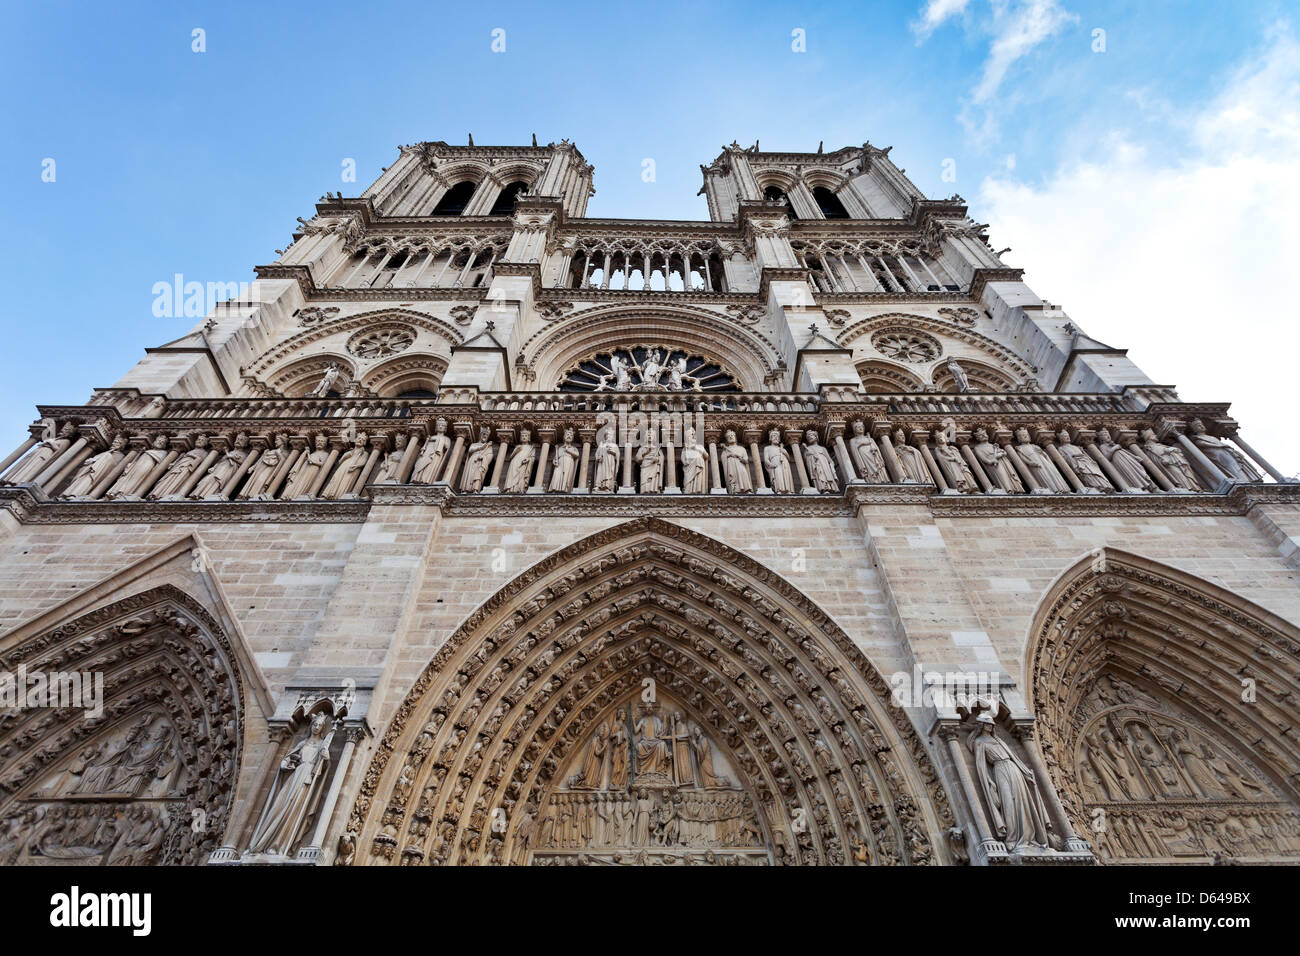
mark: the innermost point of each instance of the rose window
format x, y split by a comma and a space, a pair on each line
381, 343
903, 346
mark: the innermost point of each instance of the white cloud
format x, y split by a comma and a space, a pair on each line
1190, 263
1017, 30
934, 15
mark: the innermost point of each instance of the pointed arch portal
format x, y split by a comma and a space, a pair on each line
1169, 704
649, 695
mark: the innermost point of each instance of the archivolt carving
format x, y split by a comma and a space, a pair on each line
405, 373
887, 377
481, 743
151, 781
1165, 706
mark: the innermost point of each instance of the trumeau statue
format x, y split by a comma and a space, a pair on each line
997, 463
695, 460
1046, 479
607, 459
306, 470
390, 470
297, 790
735, 466
866, 455
478, 461
564, 471
954, 466
520, 468
131, 483
327, 381
821, 470
1230, 461
650, 458
93, 469
432, 455
1094, 481
347, 469
1010, 791
45, 452
169, 486
910, 461
257, 486
1133, 476
777, 462
210, 485
1172, 460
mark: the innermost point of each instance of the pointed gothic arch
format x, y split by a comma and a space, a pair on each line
489, 731
1167, 704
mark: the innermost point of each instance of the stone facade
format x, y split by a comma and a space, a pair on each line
480, 531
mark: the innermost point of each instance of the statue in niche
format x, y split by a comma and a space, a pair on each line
866, 455
42, 455
257, 486
565, 466
327, 381
1175, 464
1133, 476
1042, 472
94, 468
347, 469
222, 470
155, 408
1230, 461
695, 459
777, 462
168, 487
478, 461
305, 471
954, 466
653, 755
131, 483
821, 470
1015, 806
296, 791
959, 377
680, 733
735, 466
651, 460
997, 463
432, 455
607, 458
520, 468
910, 461
390, 471
1090, 476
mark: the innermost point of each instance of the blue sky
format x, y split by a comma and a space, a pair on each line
169, 161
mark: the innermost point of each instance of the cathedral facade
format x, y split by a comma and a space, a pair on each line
479, 531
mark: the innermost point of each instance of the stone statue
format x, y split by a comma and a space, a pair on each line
959, 377
680, 734
997, 463
607, 459
910, 461
296, 792
565, 465
653, 370
1133, 476
591, 775
735, 467
622, 374
478, 461
347, 469
222, 470
653, 755
695, 459
520, 468
155, 408
257, 487
821, 470
1176, 467
170, 484
1015, 806
777, 462
618, 752
651, 459
390, 470
866, 455
1043, 474
954, 466
93, 469
40, 457
305, 471
130, 485
704, 758
1093, 480
432, 455
1230, 460
327, 381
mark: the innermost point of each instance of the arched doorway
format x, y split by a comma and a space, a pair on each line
649, 695
1167, 704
